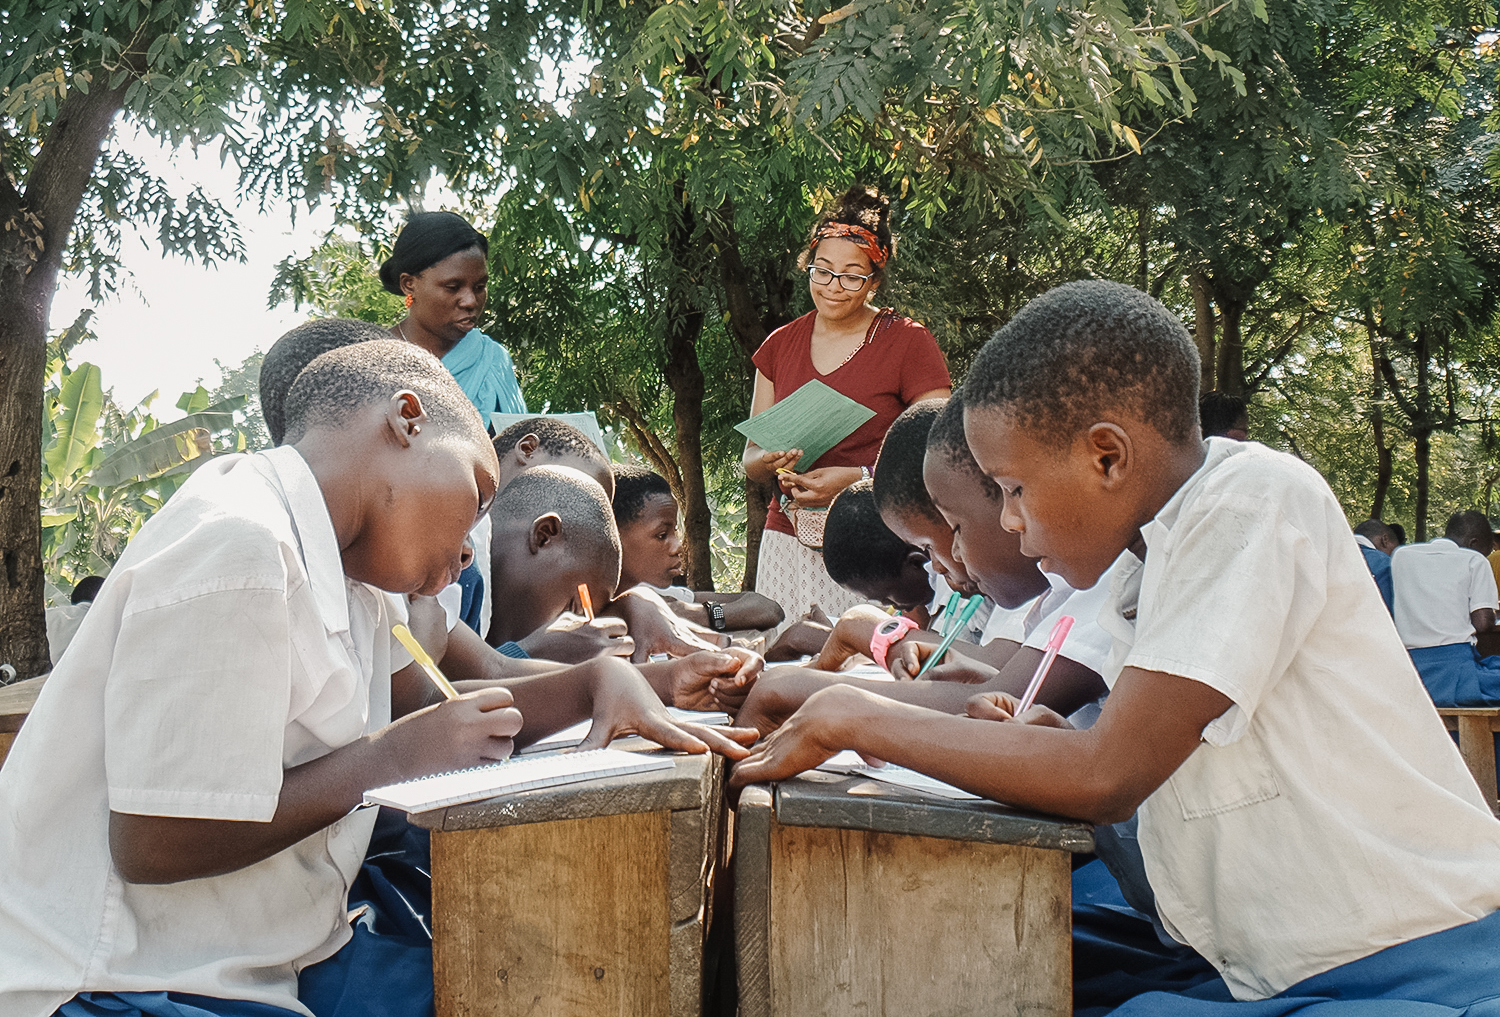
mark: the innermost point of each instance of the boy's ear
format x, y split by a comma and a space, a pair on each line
545, 530
916, 560
526, 447
1110, 451
404, 416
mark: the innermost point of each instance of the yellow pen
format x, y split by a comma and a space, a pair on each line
421, 656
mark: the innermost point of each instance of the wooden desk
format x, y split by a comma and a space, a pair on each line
590, 898
886, 901
1476, 727
16, 701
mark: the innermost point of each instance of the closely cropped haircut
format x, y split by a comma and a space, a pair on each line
87, 589
294, 351
634, 486
1400, 532
588, 522
898, 468
858, 548
426, 239
947, 440
859, 206
1218, 412
1080, 350
555, 437
340, 383
1373, 530
1464, 526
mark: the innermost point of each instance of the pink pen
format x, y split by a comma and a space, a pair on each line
1054, 644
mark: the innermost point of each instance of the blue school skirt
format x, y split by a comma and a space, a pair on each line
164, 1004
1455, 677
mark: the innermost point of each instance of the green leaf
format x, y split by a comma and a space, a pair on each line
169, 446
80, 402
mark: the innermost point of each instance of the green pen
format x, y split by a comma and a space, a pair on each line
948, 640
948, 610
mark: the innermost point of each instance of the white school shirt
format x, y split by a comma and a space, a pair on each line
1326, 814
1087, 642
1436, 586
225, 646
1007, 622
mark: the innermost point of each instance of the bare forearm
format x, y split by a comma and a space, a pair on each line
158, 849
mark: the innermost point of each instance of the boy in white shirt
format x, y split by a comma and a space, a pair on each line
178, 812
1445, 595
1307, 824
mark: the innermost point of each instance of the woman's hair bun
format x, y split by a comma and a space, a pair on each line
861, 206
426, 239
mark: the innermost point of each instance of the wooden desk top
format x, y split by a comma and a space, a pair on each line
688, 785
824, 800
16, 701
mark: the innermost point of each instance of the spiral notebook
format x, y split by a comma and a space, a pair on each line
518, 774
571, 736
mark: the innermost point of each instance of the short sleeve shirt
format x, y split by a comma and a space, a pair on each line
1326, 814
899, 362
226, 646
1436, 585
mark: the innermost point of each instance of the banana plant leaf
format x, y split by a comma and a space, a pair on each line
80, 402
167, 447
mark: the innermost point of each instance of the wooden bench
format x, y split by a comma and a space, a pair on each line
1476, 727
590, 898
16, 701
853, 896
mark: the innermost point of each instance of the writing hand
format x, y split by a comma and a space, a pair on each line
474, 729
1001, 706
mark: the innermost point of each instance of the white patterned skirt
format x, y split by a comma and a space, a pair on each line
794, 577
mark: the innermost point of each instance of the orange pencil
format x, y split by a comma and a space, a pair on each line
583, 596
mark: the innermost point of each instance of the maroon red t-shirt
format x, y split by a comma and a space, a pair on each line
897, 363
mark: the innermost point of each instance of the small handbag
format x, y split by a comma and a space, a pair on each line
808, 523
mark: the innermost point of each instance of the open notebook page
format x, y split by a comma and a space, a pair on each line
576, 733
850, 762
524, 774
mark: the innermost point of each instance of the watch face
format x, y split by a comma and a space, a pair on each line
889, 628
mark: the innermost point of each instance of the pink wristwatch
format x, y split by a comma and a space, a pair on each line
890, 631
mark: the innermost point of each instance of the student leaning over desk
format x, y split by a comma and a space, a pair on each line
178, 827
1306, 823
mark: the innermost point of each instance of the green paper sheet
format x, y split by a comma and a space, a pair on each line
814, 418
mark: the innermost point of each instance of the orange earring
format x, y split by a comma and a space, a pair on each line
408, 300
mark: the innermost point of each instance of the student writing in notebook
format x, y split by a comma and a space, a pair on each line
179, 828
1306, 823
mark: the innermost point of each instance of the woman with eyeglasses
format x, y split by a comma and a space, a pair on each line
874, 356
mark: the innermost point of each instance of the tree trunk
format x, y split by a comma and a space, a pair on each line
1422, 431
757, 507
684, 325
1203, 329
34, 230
1230, 370
1383, 466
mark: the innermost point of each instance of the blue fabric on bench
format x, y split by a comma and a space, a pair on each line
164, 1004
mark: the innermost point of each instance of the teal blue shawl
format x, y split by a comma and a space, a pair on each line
483, 369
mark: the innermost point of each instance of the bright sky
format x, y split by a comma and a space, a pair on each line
165, 329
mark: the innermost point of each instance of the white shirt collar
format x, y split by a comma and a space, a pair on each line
1161, 524
1364, 541
314, 527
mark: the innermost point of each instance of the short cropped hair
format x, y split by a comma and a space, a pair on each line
578, 501
1373, 530
294, 351
344, 381
1218, 412
555, 437
1081, 349
634, 486
858, 548
1465, 526
898, 467
426, 239
947, 440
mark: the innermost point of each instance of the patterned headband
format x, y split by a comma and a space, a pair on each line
857, 235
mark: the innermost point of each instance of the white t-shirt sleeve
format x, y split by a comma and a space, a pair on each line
1482, 592
196, 703
1246, 587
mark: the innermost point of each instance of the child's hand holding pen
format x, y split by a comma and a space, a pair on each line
1002, 706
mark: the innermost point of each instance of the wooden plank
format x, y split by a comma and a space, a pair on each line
1476, 743
16, 701
6, 738
752, 900
881, 923
828, 804
558, 918
1468, 711
688, 786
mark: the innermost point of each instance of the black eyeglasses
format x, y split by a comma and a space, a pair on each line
848, 280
